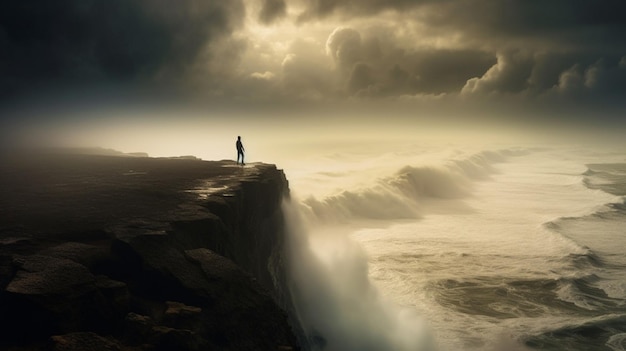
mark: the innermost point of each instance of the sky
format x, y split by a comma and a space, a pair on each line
483, 63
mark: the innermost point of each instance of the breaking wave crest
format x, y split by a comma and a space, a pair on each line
400, 195
607, 177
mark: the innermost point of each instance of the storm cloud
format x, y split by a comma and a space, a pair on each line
71, 43
298, 52
580, 21
272, 10
525, 36
376, 65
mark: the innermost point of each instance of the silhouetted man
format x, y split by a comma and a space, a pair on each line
240, 150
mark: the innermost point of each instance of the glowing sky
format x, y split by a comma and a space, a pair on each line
512, 61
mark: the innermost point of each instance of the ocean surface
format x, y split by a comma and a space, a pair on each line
444, 247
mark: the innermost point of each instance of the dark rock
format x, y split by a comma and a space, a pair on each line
138, 329
233, 305
55, 295
158, 269
180, 316
83, 341
48, 295
224, 278
241, 305
7, 270
143, 330
116, 298
40, 275
88, 255
177, 339
11, 242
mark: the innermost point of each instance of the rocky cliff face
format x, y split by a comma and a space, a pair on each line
143, 254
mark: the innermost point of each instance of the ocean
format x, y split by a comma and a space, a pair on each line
448, 247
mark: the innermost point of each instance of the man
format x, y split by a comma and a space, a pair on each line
240, 150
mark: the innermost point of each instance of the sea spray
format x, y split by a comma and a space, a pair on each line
336, 304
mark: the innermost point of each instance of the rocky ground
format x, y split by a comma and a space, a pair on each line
135, 253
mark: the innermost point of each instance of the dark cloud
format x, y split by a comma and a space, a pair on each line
594, 24
376, 65
446, 71
607, 78
361, 79
322, 8
555, 49
78, 43
578, 76
601, 81
535, 17
509, 75
272, 10
547, 67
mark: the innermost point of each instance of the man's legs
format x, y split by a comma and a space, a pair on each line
240, 154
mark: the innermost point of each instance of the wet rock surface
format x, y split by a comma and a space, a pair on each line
136, 253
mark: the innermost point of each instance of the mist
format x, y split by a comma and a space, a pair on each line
336, 304
207, 130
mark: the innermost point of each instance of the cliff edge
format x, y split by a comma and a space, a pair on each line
117, 253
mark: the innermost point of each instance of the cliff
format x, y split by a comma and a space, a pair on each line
119, 253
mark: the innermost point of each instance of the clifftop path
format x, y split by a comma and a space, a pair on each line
137, 253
